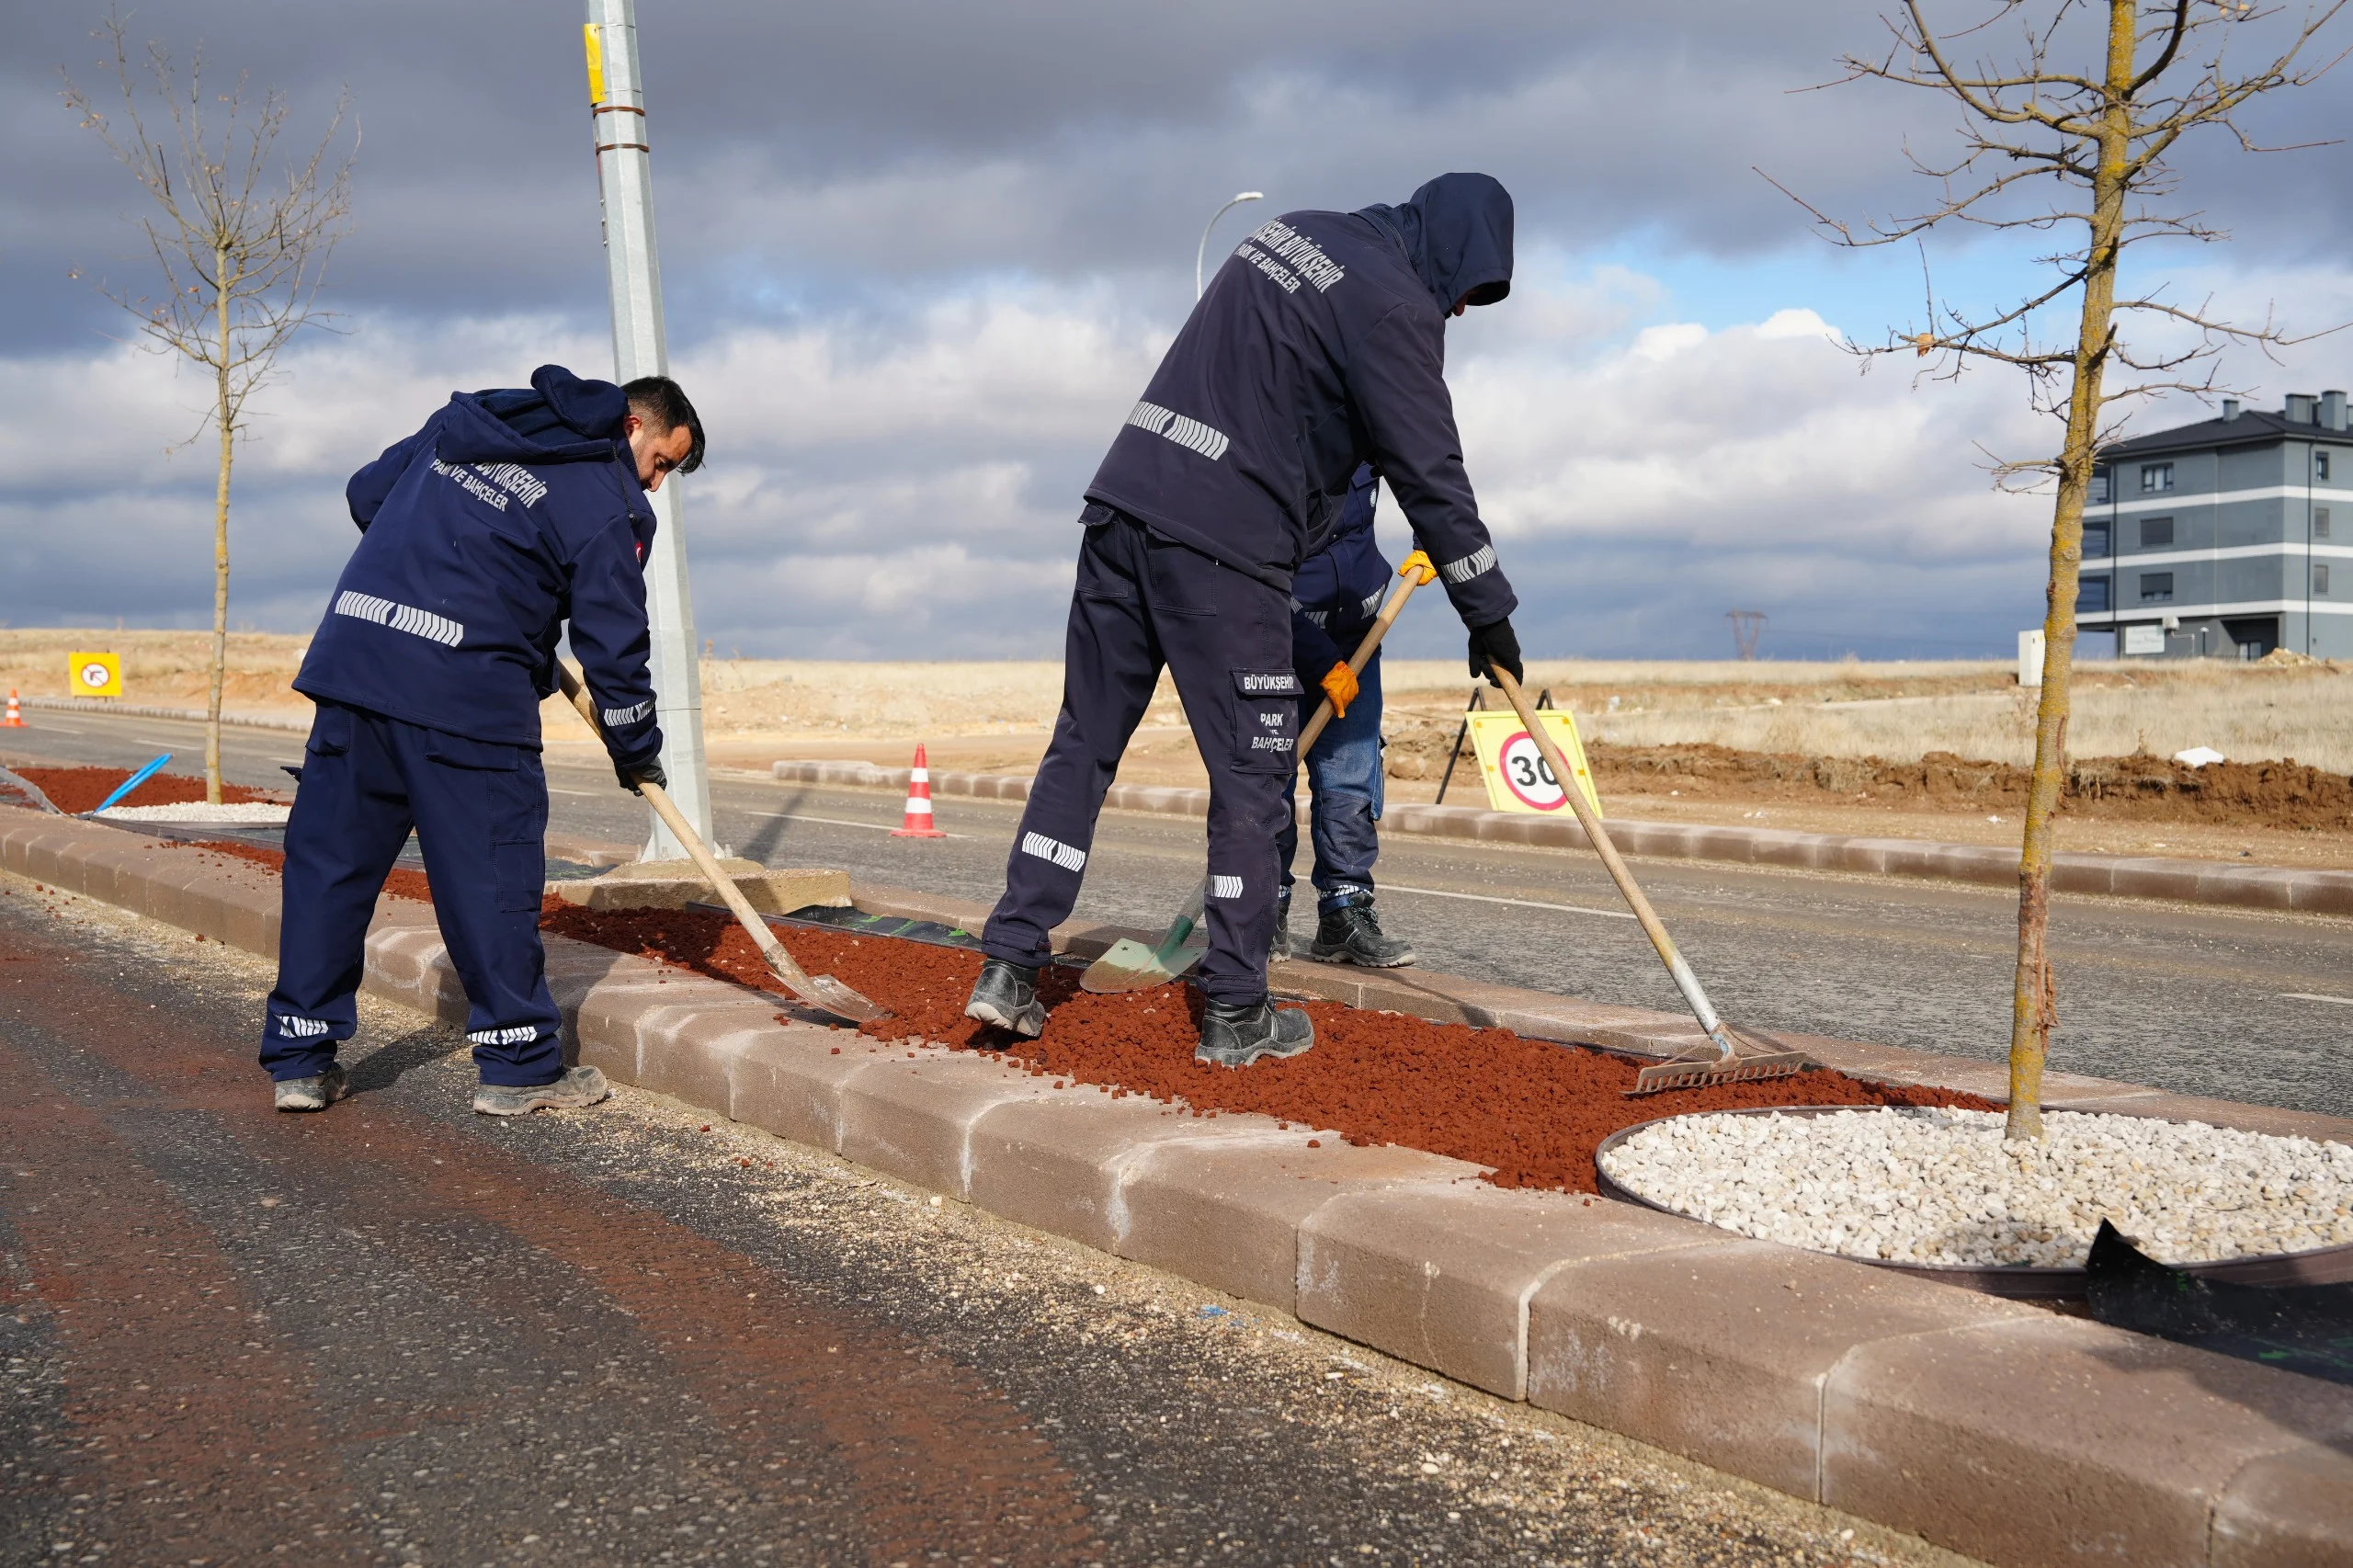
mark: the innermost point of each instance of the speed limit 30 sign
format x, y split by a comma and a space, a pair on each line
1517, 776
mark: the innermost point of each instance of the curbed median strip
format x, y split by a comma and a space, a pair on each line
1991, 1427
2117, 876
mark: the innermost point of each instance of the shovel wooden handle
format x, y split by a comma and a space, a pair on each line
1416, 571
794, 977
1685, 981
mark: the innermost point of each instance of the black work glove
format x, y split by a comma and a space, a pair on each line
1495, 646
650, 772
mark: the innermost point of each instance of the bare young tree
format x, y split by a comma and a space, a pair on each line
241, 237
2081, 154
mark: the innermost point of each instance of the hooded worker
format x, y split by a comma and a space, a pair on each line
1319, 346
509, 514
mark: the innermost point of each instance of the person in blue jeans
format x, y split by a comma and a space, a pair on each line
1334, 598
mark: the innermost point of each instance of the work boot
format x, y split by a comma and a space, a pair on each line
1351, 934
1279, 949
316, 1092
1007, 996
579, 1088
1235, 1037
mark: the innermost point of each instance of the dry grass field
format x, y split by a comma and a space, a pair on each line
995, 716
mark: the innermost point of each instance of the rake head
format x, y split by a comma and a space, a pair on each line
1730, 1056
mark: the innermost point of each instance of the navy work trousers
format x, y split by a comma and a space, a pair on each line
1344, 809
480, 814
1142, 603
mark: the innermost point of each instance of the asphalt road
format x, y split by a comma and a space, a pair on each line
2198, 1000
400, 1333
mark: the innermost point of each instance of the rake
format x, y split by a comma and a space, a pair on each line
1731, 1055
822, 992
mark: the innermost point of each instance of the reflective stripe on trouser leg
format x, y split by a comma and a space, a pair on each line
1111, 666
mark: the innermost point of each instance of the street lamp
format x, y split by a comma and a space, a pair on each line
1202, 254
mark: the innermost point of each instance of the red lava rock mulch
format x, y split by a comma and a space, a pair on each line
402, 882
1530, 1112
76, 789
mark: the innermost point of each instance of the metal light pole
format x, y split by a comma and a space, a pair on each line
1202, 254
625, 190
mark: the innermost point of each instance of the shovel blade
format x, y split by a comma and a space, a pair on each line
1126, 965
831, 994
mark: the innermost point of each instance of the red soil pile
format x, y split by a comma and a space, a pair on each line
401, 883
78, 789
1530, 1112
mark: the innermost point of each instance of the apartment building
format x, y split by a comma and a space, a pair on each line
2225, 539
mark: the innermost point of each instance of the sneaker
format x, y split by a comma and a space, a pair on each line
579, 1088
1007, 996
316, 1092
1351, 934
1237, 1037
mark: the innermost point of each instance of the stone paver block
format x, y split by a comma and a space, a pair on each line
1719, 1352
1226, 1211
914, 1117
606, 1020
2293, 1509
2057, 1440
244, 914
789, 1081
1057, 1162
1442, 1275
688, 1051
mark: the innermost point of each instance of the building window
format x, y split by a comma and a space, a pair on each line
2156, 479
2320, 576
2095, 540
2320, 522
2156, 533
2319, 465
2157, 587
2091, 597
2098, 496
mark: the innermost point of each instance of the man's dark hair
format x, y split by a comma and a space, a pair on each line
658, 400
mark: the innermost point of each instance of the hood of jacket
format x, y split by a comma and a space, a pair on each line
1457, 231
560, 417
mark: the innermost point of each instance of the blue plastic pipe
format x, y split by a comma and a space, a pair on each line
136, 779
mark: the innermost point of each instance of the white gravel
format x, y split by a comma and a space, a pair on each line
1942, 1185
252, 812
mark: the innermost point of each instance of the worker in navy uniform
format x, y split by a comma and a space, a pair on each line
1335, 595
1319, 346
509, 514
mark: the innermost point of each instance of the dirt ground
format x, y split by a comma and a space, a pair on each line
1828, 747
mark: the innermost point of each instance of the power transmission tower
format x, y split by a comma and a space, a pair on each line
1747, 625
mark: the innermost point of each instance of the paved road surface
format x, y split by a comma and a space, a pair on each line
398, 1332
2202, 1001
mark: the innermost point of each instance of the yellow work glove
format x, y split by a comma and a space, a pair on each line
1417, 566
1340, 686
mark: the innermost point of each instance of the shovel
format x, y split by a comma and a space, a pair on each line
822, 992
1731, 1055
1127, 964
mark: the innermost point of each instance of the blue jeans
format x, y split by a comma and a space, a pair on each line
1343, 776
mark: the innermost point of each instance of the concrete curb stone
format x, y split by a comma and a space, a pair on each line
2156, 876
1984, 1426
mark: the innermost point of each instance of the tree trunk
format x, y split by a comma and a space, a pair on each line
2034, 998
220, 413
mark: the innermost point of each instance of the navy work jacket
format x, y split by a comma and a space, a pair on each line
1320, 345
1338, 591
508, 514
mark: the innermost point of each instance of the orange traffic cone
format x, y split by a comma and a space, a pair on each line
16, 719
918, 819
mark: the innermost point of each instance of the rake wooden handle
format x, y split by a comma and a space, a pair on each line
795, 978
1685, 981
1416, 571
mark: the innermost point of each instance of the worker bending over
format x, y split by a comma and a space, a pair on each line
1320, 343
510, 514
1335, 596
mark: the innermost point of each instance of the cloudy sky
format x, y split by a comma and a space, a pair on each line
921, 257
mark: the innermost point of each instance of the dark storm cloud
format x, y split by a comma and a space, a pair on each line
808, 155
